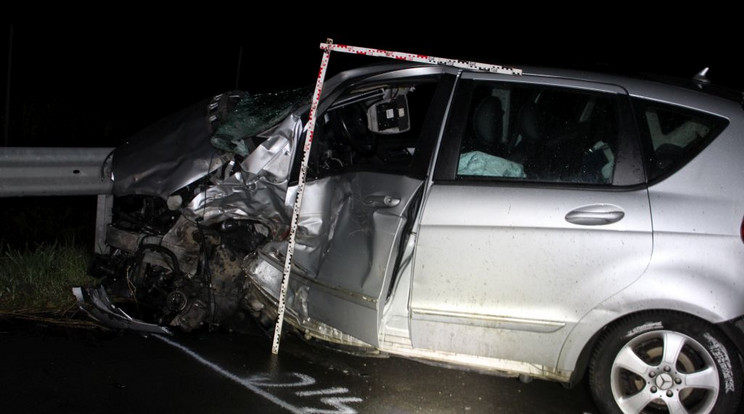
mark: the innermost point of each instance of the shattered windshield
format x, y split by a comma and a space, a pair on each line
184, 147
254, 114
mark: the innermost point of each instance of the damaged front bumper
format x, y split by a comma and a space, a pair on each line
95, 302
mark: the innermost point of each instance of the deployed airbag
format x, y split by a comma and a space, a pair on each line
482, 164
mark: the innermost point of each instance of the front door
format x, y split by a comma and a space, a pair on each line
370, 159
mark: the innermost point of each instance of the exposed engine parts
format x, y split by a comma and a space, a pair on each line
185, 275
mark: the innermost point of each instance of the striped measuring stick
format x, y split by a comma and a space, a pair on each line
298, 200
413, 57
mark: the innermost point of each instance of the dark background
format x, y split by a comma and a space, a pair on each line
95, 84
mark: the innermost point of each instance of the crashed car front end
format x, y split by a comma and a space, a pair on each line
202, 202
193, 198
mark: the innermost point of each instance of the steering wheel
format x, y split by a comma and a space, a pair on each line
350, 122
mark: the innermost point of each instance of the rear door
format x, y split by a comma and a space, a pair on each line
536, 214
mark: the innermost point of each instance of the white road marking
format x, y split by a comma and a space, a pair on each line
304, 381
327, 391
259, 384
335, 402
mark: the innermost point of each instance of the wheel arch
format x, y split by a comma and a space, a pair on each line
577, 360
646, 334
716, 301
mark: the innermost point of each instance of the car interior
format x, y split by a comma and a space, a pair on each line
371, 128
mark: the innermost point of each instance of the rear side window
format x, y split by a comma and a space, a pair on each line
536, 133
673, 135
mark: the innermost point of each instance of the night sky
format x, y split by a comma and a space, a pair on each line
97, 84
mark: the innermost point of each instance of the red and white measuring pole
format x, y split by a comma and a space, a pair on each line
327, 48
413, 57
298, 200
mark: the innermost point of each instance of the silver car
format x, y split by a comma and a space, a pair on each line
551, 225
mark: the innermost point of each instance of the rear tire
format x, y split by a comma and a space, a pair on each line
665, 362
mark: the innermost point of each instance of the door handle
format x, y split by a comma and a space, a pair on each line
595, 215
381, 201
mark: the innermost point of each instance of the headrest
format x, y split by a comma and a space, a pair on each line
529, 123
488, 121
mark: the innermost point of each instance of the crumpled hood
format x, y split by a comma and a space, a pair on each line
186, 146
166, 156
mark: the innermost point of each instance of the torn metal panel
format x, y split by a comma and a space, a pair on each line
254, 189
265, 278
96, 303
54, 171
326, 199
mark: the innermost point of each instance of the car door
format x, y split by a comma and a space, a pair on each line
361, 192
536, 214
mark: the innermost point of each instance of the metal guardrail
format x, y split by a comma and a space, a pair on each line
54, 171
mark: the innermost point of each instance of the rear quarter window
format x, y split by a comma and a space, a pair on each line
673, 135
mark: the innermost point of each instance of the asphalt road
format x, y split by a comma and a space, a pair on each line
53, 370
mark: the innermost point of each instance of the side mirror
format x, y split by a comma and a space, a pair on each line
389, 116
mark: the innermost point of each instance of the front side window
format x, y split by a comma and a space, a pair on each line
372, 128
673, 135
537, 133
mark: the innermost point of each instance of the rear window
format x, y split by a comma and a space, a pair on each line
673, 135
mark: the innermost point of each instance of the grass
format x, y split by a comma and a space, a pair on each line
38, 280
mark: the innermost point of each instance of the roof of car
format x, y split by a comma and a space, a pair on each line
683, 92
622, 78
